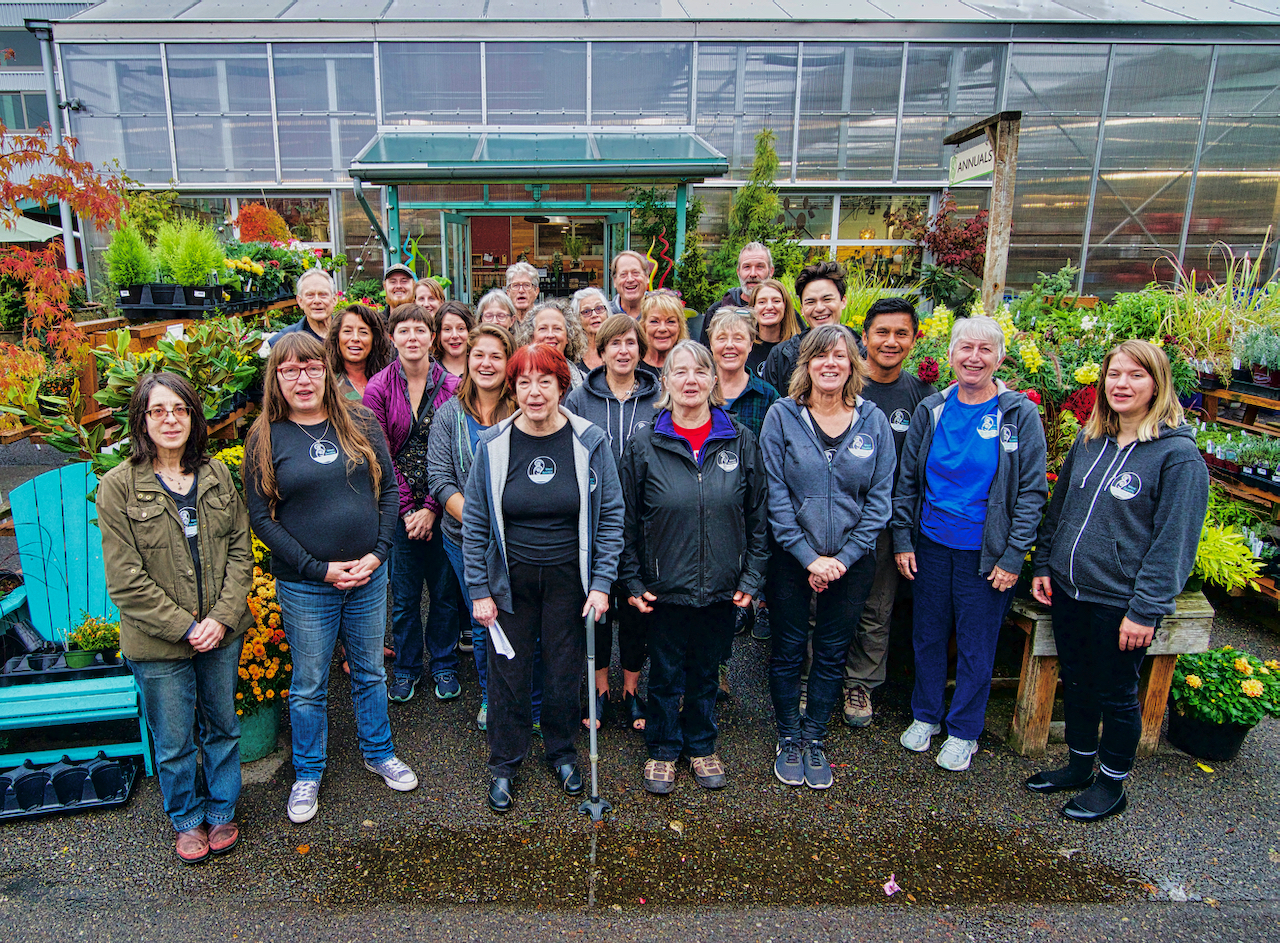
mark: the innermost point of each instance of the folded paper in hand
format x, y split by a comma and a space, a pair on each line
501, 644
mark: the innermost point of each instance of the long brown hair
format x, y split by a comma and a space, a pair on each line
380, 352
144, 450
1164, 410
789, 326
469, 393
462, 312
816, 343
301, 348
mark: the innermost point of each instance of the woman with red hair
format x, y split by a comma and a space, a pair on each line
541, 536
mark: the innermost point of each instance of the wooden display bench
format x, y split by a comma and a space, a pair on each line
1251, 403
1187, 630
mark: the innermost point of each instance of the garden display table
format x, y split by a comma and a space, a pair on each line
1251, 402
1187, 630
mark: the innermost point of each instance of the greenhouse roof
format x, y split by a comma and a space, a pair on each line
527, 12
449, 156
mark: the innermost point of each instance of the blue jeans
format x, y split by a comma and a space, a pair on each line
479, 634
949, 594
685, 643
174, 693
413, 562
316, 617
839, 610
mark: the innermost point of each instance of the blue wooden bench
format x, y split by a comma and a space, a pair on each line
61, 552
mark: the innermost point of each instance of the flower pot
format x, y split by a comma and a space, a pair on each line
259, 732
42, 661
1205, 740
1260, 375
162, 293
202, 296
129, 294
1193, 584
79, 659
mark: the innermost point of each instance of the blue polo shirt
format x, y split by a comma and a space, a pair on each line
958, 473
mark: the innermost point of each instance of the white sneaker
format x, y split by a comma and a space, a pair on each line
956, 753
919, 735
304, 801
394, 773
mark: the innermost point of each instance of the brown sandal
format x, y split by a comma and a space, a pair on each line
709, 771
660, 776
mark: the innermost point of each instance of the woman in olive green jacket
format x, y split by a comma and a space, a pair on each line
179, 566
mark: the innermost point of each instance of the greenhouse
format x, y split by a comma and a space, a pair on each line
1147, 135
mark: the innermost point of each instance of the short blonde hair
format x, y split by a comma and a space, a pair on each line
1163, 411
702, 357
666, 304
726, 319
816, 343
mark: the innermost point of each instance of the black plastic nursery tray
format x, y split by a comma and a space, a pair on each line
20, 670
66, 787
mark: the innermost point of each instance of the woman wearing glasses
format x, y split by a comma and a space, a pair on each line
496, 308
522, 288
590, 307
175, 541
323, 497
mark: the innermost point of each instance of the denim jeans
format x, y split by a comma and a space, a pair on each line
685, 643
949, 594
479, 634
174, 694
316, 617
413, 562
839, 608
1099, 681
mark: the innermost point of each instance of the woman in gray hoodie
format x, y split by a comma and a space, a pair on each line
620, 400
1117, 545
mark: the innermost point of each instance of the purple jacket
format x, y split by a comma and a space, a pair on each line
387, 396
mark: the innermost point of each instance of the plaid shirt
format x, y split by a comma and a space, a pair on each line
749, 408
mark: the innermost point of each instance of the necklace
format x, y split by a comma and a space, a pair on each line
322, 450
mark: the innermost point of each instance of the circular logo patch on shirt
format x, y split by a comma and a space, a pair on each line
1009, 438
542, 470
987, 428
324, 452
900, 421
862, 446
760, 369
1125, 487
591, 479
188, 518
727, 461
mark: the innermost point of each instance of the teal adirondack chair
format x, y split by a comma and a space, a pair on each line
61, 551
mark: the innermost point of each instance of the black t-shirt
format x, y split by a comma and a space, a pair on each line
540, 502
829, 442
190, 526
898, 401
760, 351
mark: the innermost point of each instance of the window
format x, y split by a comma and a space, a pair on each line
324, 107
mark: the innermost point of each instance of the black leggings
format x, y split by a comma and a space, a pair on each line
633, 633
1099, 681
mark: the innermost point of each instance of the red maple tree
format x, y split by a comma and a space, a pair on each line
954, 242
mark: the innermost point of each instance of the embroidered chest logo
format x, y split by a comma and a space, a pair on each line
900, 421
1125, 487
862, 446
541, 470
727, 461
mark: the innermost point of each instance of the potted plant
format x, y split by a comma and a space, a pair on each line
1217, 697
197, 264
130, 263
1223, 559
266, 668
93, 635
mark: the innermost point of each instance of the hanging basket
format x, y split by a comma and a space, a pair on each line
259, 732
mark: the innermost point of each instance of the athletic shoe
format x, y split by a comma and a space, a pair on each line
762, 631
956, 753
447, 686
919, 735
482, 717
857, 706
464, 641
402, 689
789, 767
394, 773
817, 771
304, 801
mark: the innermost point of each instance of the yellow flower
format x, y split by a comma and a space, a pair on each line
1252, 687
1242, 666
239, 696
239, 712
1272, 664
1193, 681
1031, 356
1087, 374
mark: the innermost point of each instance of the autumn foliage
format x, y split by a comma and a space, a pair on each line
955, 243
259, 223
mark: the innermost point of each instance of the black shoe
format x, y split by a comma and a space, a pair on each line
500, 792
1043, 785
570, 780
1073, 810
742, 621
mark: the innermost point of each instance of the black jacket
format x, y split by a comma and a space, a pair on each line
694, 535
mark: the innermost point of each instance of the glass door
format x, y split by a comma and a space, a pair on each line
617, 236
456, 250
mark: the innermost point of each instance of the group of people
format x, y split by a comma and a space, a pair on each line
584, 462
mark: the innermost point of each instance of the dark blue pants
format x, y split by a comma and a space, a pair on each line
412, 563
950, 594
839, 610
1099, 681
684, 647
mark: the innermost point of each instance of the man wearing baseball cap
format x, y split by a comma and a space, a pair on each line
397, 284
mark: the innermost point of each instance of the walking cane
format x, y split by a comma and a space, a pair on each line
594, 806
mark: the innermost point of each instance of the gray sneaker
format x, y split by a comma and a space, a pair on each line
789, 767
482, 716
857, 706
394, 773
401, 689
956, 753
919, 735
304, 801
817, 770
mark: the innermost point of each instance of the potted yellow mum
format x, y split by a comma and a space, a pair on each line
1217, 697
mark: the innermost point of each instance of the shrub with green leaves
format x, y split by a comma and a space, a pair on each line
187, 251
1226, 686
129, 260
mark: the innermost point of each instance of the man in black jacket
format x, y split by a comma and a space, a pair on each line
755, 264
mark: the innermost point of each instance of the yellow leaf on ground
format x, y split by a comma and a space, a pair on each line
1207, 769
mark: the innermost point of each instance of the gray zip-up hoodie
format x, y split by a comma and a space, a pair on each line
1124, 523
600, 512
1017, 494
595, 402
449, 461
820, 507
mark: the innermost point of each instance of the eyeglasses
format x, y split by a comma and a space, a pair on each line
314, 370
598, 309
495, 317
520, 286
160, 413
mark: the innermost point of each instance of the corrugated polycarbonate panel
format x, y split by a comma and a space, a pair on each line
1242, 144
1149, 143
953, 79
634, 82
1159, 80
743, 88
1234, 207
537, 83
856, 79
1246, 81
855, 148
1140, 207
1057, 141
1052, 78
219, 78
435, 83
1050, 208
13, 14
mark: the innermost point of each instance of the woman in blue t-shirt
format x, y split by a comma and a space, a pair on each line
970, 491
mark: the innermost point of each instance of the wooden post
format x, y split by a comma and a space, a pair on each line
1000, 216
